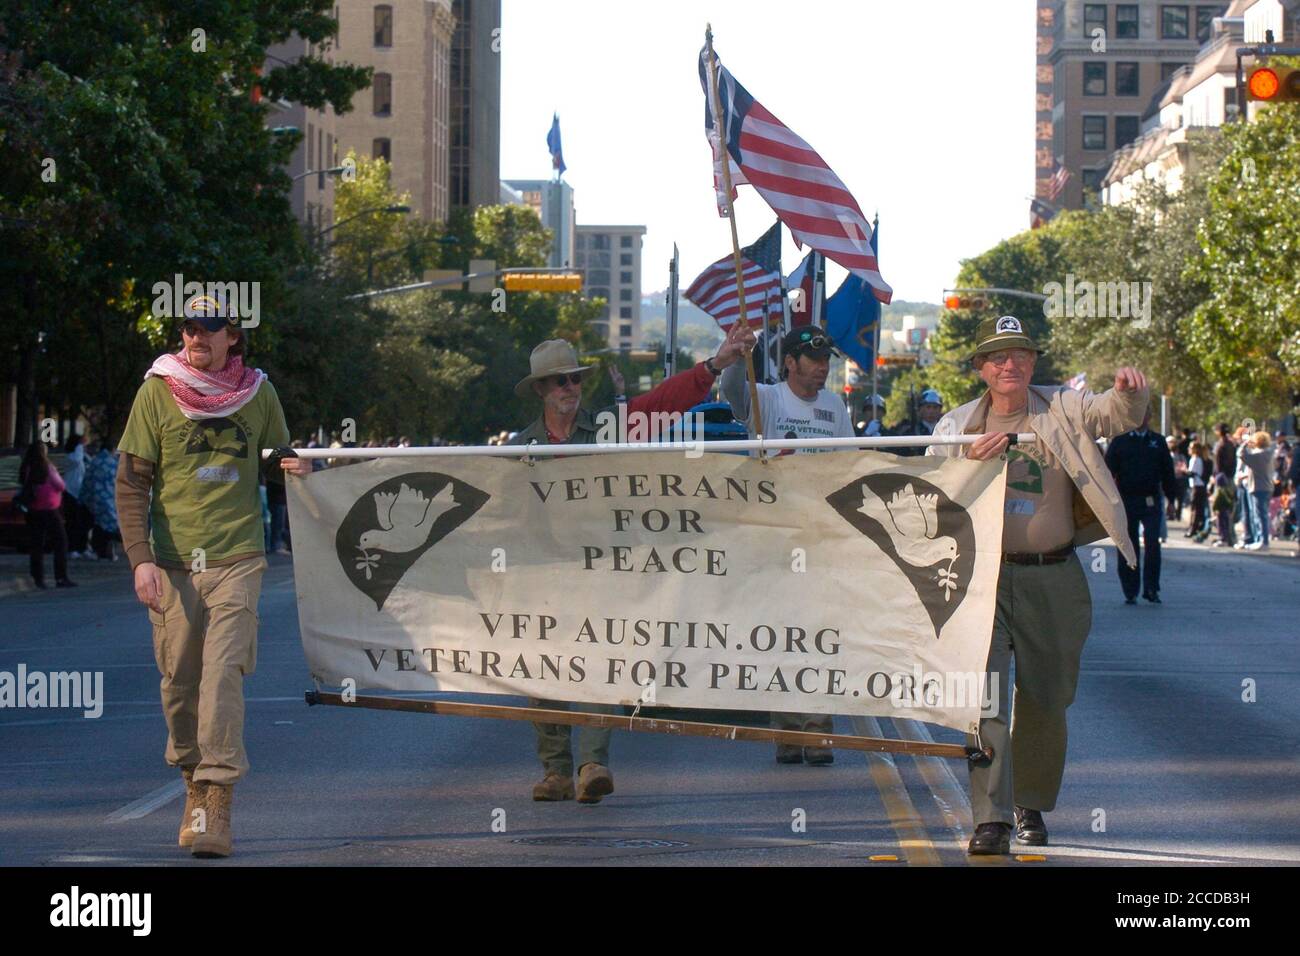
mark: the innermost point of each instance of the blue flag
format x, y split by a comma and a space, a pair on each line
553, 144
851, 316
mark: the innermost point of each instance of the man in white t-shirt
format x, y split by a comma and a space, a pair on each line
799, 407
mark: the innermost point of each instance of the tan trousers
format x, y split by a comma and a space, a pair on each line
205, 642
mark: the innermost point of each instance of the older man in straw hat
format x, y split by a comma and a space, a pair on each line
555, 376
1059, 495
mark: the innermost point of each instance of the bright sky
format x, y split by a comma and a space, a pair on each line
923, 108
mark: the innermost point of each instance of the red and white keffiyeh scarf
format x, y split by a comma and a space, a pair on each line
206, 394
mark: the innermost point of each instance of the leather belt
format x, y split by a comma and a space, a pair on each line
1027, 557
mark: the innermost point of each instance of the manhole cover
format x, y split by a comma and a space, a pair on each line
614, 843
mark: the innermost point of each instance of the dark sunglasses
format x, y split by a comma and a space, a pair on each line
559, 381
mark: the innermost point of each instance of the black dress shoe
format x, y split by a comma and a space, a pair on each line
65, 583
788, 753
1030, 829
1153, 597
990, 839
1128, 600
42, 585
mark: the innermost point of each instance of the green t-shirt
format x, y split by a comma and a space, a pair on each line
205, 487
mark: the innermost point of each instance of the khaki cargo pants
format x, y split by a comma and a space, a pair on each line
205, 643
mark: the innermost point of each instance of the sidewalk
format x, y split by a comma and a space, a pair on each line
16, 578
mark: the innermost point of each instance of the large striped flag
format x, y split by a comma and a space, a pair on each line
714, 290
804, 279
796, 182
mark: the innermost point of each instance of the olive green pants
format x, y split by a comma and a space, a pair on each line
1044, 613
554, 746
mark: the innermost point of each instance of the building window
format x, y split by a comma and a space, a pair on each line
1094, 132
1094, 79
580, 242
601, 329
1126, 130
598, 294
1126, 79
598, 276
625, 331
625, 295
600, 241
1205, 21
1229, 104
625, 278
625, 312
1167, 70
382, 149
1092, 183
1094, 18
1173, 23
625, 259
1126, 21
625, 242
383, 25
383, 89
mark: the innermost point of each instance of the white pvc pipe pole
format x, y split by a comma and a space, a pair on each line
538, 450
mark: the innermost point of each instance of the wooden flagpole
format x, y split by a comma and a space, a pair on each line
654, 725
755, 414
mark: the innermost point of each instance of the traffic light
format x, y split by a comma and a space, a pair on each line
954, 302
1273, 84
543, 281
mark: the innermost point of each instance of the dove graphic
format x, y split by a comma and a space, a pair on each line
911, 521
405, 519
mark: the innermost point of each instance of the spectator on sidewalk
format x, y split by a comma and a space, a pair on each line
41, 493
101, 473
1257, 456
1198, 470
1174, 507
76, 515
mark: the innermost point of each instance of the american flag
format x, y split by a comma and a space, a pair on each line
803, 279
1057, 182
796, 182
714, 290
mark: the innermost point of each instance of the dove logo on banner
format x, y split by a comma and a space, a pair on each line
924, 532
394, 523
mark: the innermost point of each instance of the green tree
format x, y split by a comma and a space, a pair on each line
1246, 333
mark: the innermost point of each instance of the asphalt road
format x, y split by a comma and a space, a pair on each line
1168, 764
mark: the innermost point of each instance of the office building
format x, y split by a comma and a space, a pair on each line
610, 257
475, 157
553, 202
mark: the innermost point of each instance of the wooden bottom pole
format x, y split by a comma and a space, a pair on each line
653, 725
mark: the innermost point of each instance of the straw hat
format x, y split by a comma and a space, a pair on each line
552, 357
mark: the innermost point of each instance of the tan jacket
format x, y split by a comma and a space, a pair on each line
1068, 423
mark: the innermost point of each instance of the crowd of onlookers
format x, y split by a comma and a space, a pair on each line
1242, 480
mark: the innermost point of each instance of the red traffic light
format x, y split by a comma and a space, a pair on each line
1263, 84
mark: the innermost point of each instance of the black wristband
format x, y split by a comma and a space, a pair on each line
713, 369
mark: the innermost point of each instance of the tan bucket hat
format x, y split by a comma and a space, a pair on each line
552, 357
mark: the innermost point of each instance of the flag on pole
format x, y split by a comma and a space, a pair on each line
1057, 182
714, 290
851, 318
553, 144
1079, 383
796, 182
802, 279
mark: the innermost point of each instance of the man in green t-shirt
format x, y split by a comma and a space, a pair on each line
188, 471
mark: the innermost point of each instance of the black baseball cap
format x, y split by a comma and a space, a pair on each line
808, 340
209, 311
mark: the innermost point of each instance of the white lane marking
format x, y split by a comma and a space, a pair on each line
949, 794
147, 804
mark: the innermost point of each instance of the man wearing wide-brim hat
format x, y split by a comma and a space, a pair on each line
1059, 495
555, 376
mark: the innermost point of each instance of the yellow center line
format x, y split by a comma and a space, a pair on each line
913, 839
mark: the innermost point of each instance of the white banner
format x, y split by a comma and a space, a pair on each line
840, 583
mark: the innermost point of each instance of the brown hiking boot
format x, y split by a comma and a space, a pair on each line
554, 787
215, 838
594, 781
194, 800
